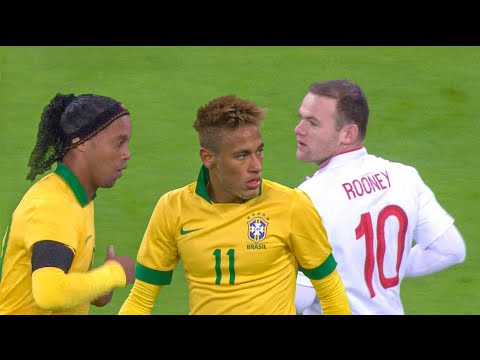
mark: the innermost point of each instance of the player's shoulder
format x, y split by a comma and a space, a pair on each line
179, 193
273, 189
393, 165
278, 189
50, 187
50, 192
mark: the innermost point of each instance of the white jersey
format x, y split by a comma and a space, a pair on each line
373, 209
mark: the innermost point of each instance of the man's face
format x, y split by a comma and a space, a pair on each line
317, 137
236, 170
108, 152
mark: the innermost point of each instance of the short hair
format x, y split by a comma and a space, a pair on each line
352, 104
68, 121
225, 113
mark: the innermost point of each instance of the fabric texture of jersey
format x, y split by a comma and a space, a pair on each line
55, 208
365, 202
237, 257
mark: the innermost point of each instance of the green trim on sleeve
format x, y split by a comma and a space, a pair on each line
154, 277
323, 270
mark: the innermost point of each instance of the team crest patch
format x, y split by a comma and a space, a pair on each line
257, 229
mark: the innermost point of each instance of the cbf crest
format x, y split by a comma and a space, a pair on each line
257, 227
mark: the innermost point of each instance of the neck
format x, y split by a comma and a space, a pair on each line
218, 198
80, 169
343, 150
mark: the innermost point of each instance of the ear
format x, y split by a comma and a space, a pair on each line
82, 147
208, 157
349, 134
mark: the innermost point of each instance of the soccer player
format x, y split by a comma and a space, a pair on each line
47, 251
239, 237
382, 220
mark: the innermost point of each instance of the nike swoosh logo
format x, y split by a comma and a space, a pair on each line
185, 232
88, 237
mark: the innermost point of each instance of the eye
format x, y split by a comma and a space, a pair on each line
122, 140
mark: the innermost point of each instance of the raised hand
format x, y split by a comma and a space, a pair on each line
129, 268
126, 261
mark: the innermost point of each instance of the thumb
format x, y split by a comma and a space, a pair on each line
110, 252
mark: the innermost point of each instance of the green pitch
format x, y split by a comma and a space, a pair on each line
424, 112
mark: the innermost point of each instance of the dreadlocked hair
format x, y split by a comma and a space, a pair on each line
68, 121
48, 147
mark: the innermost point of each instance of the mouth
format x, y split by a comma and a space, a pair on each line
120, 171
254, 183
300, 144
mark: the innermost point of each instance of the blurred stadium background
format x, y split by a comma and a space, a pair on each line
424, 112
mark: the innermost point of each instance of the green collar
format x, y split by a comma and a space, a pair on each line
72, 181
202, 181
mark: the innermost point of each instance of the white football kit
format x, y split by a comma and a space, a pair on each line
374, 211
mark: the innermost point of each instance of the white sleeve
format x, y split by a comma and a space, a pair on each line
303, 280
304, 297
447, 250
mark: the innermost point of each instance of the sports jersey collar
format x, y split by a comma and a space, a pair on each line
72, 181
202, 181
341, 158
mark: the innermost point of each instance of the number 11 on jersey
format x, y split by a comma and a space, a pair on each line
231, 265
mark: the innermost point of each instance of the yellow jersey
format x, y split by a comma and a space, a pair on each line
237, 258
55, 208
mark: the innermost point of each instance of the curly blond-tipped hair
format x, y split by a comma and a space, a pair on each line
225, 113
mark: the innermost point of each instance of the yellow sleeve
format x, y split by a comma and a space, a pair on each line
141, 299
309, 239
158, 249
332, 294
54, 290
54, 219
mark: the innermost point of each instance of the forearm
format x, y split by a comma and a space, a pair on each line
54, 290
332, 295
141, 299
448, 250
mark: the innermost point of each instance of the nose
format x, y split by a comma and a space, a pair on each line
256, 163
298, 130
127, 155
